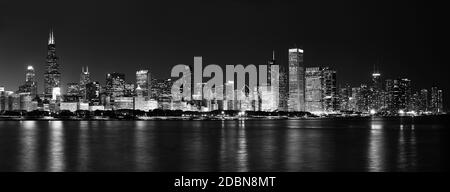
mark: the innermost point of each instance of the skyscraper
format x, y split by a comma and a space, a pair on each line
314, 89
84, 80
423, 100
331, 99
283, 89
269, 67
115, 84
143, 81
345, 97
399, 95
296, 100
52, 76
321, 90
362, 96
376, 93
440, 102
93, 91
30, 85
405, 94
436, 100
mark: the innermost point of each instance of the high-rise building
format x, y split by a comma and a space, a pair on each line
406, 93
161, 92
283, 89
73, 89
415, 104
345, 97
399, 95
267, 95
52, 76
84, 80
331, 97
93, 91
436, 100
376, 95
363, 99
314, 89
353, 100
388, 94
115, 84
440, 101
423, 100
296, 100
129, 90
143, 81
269, 69
321, 90
30, 85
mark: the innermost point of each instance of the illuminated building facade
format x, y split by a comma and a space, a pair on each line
84, 80
296, 100
115, 84
143, 81
52, 76
314, 94
30, 85
93, 92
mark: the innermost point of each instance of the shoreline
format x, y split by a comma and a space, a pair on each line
177, 118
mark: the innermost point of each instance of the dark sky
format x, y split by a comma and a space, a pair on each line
124, 36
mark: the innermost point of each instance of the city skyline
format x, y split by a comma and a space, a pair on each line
117, 35
309, 89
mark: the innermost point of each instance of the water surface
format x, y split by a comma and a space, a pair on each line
371, 144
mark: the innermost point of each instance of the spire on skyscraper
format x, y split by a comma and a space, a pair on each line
273, 55
51, 38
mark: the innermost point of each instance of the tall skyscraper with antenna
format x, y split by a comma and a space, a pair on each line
52, 76
269, 68
376, 94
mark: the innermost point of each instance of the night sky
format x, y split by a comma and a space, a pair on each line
124, 36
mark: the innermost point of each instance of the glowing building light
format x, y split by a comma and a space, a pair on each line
56, 93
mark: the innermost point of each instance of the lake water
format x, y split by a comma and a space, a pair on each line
363, 144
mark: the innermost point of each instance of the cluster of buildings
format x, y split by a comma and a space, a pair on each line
391, 97
299, 88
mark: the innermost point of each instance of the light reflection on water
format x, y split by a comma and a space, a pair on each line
56, 156
376, 147
28, 144
244, 145
242, 153
83, 146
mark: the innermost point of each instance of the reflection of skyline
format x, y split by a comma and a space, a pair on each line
233, 146
242, 153
143, 160
29, 145
404, 147
373, 145
83, 146
376, 147
407, 148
